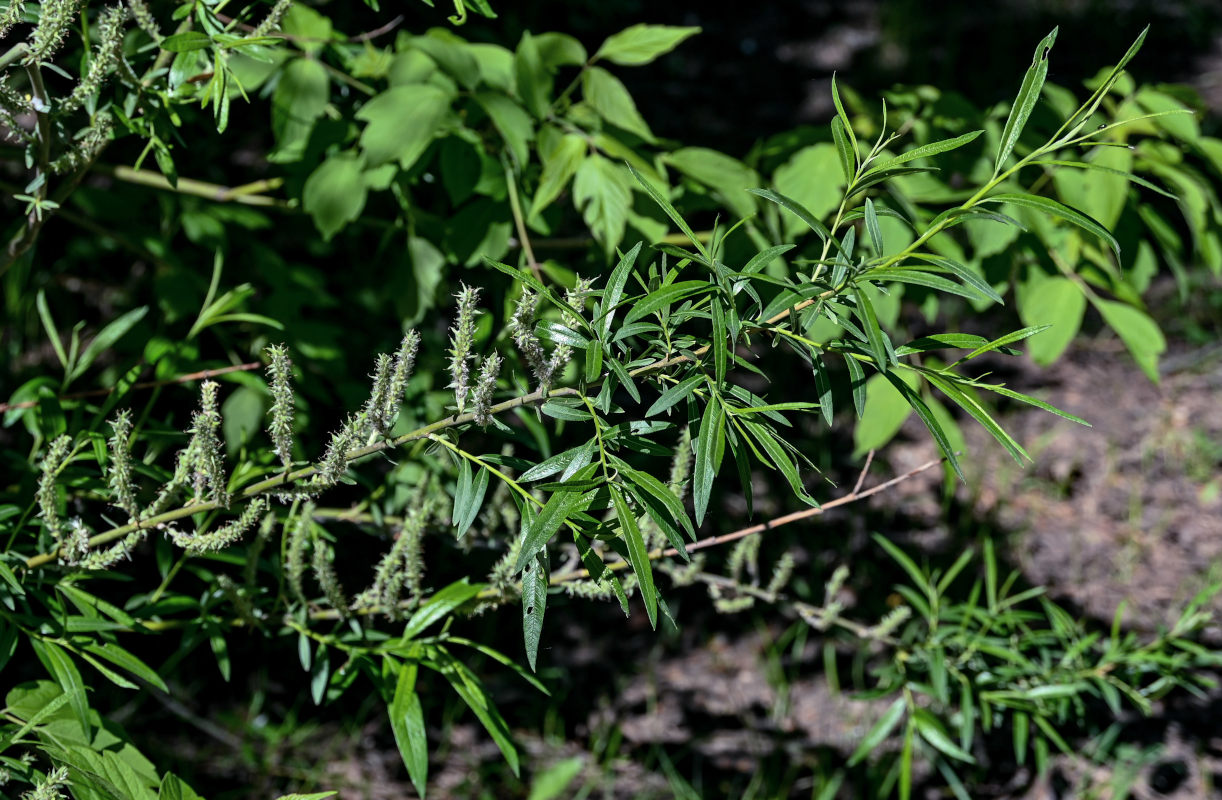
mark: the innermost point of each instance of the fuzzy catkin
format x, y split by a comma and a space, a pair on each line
405, 363
11, 16
485, 385
144, 19
210, 461
54, 21
48, 497
86, 148
298, 538
324, 573
105, 55
223, 536
271, 22
280, 415
119, 473
462, 337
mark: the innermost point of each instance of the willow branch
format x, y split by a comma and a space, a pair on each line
202, 375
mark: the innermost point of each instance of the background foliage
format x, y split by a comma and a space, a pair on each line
356, 171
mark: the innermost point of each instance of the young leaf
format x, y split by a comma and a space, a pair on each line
848, 162
931, 422
407, 724
1028, 95
534, 603
880, 348
638, 554
664, 296
642, 43
468, 497
823, 385
440, 605
925, 151
847, 126
873, 228
857, 382
615, 287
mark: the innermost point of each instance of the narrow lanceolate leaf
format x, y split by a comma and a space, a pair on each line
797, 209
978, 412
873, 228
848, 164
712, 429
561, 462
931, 422
964, 274
848, 125
1080, 117
823, 385
675, 394
468, 686
539, 529
1049, 206
875, 338
857, 381
534, 603
61, 667
925, 151
664, 296
880, 731
638, 555
615, 288
666, 206
663, 494
1028, 95
468, 497
407, 724
440, 605
720, 346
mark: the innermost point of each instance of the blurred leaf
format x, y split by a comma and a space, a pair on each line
1140, 333
334, 194
1057, 302
401, 122
602, 192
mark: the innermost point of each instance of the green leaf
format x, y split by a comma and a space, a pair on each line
675, 394
440, 605
468, 497
846, 128
608, 96
664, 296
873, 228
963, 273
674, 215
300, 98
1101, 189
334, 194
931, 731
511, 121
537, 530
174, 788
125, 660
880, 348
402, 121
186, 42
879, 732
553, 781
602, 192
729, 177
844, 150
931, 422
857, 381
708, 442
810, 179
795, 208
59, 665
106, 338
534, 604
472, 691
534, 82
1140, 333
638, 553
615, 288
925, 151
1059, 303
558, 168
1028, 95
568, 461
883, 413
1049, 206
661, 492
823, 385
641, 43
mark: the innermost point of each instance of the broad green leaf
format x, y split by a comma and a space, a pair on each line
641, 43
174, 788
533, 80
810, 186
300, 98
538, 529
334, 194
401, 122
925, 151
1049, 206
310, 29
638, 554
664, 296
558, 168
608, 96
602, 192
1028, 95
1058, 302
451, 53
731, 178
708, 439
440, 605
468, 497
534, 604
1140, 333
511, 121
559, 50
881, 730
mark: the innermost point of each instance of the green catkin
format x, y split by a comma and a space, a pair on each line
375, 407
521, 330
237, 598
324, 573
782, 571
335, 461
105, 559
86, 148
744, 555
271, 22
76, 544
183, 468
144, 18
55, 19
462, 337
405, 363
119, 472
280, 415
485, 386
210, 462
11, 16
298, 531
49, 787
105, 56
48, 496
890, 623
401, 569
223, 536
12, 105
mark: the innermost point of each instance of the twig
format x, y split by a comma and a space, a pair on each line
360, 37
866, 468
516, 207
250, 194
204, 374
